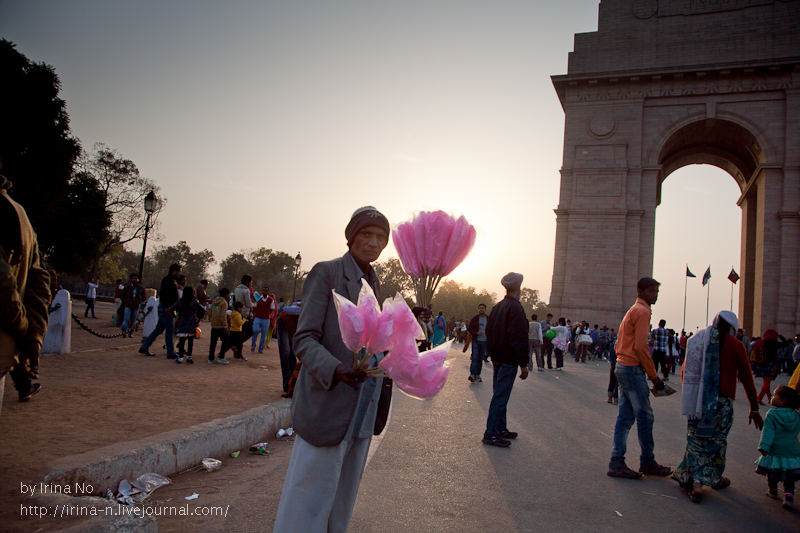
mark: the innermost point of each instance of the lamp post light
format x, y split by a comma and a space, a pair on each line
297, 261
150, 202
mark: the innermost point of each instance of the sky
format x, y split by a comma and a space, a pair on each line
267, 123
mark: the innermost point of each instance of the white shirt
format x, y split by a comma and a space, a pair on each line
91, 292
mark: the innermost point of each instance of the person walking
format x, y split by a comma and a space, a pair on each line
535, 343
715, 361
24, 298
439, 329
560, 342
91, 296
507, 334
189, 313
547, 342
480, 347
167, 300
779, 447
132, 297
764, 361
261, 319
634, 367
660, 338
219, 328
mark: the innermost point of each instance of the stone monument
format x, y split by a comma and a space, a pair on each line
668, 83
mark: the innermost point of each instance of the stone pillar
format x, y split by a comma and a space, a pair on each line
747, 262
58, 338
768, 250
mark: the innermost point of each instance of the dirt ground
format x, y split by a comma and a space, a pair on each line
105, 392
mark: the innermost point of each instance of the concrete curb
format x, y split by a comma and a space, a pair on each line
170, 452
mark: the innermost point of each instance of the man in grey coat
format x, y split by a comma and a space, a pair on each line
335, 410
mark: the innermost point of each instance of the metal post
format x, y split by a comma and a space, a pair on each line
144, 247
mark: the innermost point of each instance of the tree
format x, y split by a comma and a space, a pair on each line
394, 279
457, 301
274, 268
38, 154
194, 265
532, 304
124, 189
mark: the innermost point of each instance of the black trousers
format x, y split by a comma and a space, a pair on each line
216, 334
660, 358
182, 342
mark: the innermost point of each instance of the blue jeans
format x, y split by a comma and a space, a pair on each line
634, 406
480, 350
504, 376
89, 306
128, 316
165, 325
260, 325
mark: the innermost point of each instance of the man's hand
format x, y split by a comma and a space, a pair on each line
30, 354
524, 373
755, 418
763, 453
350, 377
657, 384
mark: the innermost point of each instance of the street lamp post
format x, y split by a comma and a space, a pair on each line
149, 207
297, 261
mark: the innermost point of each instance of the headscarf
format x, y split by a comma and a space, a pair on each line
363, 217
701, 374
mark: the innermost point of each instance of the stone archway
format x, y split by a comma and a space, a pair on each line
661, 85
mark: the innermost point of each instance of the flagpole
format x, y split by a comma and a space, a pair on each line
732, 296
685, 284
708, 297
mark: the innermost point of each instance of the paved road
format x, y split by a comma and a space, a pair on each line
431, 472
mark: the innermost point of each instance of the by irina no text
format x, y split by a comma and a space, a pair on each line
55, 488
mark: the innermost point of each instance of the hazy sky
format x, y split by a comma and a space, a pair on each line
268, 123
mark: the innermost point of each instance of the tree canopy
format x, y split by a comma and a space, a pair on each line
394, 279
275, 268
458, 301
194, 265
38, 153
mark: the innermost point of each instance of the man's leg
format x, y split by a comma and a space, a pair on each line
126, 317
475, 363
169, 326
162, 318
537, 349
256, 331
559, 358
625, 418
213, 348
639, 399
349, 479
310, 487
548, 349
504, 376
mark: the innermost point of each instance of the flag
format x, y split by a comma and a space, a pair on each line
689, 273
706, 276
733, 276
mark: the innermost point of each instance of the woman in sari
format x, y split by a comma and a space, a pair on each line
714, 360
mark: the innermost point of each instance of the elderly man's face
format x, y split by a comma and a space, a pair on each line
368, 244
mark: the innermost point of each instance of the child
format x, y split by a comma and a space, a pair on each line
219, 327
189, 314
779, 447
237, 321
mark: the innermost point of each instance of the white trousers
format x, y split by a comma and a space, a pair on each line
321, 487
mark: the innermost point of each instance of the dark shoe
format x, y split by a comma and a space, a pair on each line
495, 440
189, 360
35, 387
509, 434
541, 369
471, 378
478, 379
696, 497
788, 502
172, 356
146, 352
655, 469
623, 472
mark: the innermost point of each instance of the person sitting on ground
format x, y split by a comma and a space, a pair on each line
189, 314
237, 321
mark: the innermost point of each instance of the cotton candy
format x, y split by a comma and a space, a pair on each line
402, 362
403, 238
462, 239
370, 311
432, 360
351, 322
427, 389
420, 376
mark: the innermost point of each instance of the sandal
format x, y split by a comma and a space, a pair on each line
696, 497
723, 483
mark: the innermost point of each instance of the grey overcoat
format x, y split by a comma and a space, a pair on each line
322, 406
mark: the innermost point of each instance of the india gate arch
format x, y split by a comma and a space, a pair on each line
663, 84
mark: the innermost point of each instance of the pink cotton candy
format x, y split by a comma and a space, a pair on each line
432, 360
382, 339
370, 311
462, 239
438, 227
401, 363
405, 323
351, 322
403, 238
427, 389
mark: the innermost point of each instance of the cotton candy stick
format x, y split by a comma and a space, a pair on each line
351, 322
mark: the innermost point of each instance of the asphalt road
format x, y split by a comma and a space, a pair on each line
432, 473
